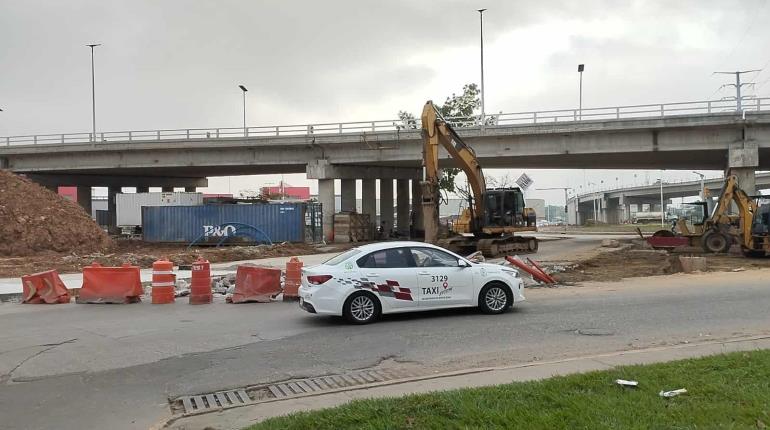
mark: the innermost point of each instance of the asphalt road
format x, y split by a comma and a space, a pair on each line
98, 366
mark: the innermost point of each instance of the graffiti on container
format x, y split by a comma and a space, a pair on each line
218, 230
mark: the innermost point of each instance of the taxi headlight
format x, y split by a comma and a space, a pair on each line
514, 273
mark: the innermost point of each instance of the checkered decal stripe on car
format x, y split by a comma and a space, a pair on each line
389, 289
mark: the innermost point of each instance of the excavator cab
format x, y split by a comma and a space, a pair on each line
505, 208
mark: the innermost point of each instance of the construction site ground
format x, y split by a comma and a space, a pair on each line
633, 258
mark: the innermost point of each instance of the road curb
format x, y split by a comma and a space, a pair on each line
245, 415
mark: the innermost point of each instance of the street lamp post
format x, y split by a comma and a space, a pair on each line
93, 92
245, 130
662, 212
481, 34
581, 67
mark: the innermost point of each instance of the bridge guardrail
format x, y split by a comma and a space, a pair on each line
361, 127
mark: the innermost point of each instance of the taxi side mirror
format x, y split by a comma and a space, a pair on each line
462, 263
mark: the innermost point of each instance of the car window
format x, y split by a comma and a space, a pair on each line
386, 259
342, 257
429, 257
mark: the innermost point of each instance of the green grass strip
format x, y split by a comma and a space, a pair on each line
729, 391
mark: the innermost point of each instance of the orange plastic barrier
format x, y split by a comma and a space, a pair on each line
256, 284
110, 284
293, 278
163, 280
200, 288
44, 287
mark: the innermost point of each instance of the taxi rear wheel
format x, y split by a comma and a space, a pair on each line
495, 298
361, 308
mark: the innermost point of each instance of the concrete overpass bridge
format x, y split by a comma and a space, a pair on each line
685, 135
614, 205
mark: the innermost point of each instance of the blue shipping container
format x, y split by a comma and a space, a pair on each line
210, 224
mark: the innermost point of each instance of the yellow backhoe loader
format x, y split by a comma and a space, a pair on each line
493, 216
750, 227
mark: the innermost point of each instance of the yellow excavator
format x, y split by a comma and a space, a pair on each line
750, 227
493, 216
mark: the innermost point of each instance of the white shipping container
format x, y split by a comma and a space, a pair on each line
129, 205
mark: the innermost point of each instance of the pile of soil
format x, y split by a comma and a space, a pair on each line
36, 220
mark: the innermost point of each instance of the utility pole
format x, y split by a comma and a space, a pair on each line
481, 34
93, 92
738, 84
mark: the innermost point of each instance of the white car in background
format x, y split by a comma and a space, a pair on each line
365, 282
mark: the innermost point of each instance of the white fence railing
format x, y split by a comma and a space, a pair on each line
359, 127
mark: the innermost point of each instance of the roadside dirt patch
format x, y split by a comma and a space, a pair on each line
144, 254
36, 220
634, 260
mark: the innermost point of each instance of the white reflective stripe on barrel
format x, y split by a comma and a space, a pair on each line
163, 284
163, 273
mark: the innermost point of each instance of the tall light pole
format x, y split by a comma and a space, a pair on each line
93, 92
702, 186
243, 89
581, 67
481, 33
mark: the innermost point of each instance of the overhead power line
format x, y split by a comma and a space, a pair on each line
738, 85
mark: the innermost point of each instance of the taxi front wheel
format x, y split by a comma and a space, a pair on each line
361, 308
495, 298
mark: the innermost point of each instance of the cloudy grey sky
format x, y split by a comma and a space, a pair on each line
177, 64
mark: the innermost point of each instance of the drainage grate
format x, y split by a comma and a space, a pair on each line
333, 382
296, 387
220, 399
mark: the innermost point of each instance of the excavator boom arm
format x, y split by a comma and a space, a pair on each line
438, 132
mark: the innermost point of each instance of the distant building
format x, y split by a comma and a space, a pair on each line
286, 190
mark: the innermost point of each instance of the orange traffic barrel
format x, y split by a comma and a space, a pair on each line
200, 288
163, 282
293, 278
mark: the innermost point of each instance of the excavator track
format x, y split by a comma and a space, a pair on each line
491, 247
501, 246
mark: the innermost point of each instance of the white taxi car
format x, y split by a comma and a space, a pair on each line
365, 282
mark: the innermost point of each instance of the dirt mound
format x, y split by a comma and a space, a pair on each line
34, 219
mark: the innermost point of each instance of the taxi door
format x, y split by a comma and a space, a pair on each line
441, 279
390, 273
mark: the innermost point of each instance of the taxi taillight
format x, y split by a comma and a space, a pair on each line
318, 279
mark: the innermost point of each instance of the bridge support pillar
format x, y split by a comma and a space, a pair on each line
369, 201
417, 221
167, 189
743, 160
326, 198
347, 195
112, 192
402, 207
142, 189
84, 198
386, 206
